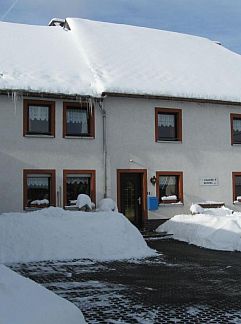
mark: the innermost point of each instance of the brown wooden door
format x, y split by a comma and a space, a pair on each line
131, 204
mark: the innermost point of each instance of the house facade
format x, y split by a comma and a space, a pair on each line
128, 146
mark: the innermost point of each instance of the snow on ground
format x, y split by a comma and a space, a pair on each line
215, 228
22, 301
56, 234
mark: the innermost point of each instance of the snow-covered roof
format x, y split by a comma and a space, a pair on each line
42, 59
95, 57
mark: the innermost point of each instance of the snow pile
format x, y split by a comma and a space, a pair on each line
222, 211
196, 209
57, 234
83, 201
26, 302
219, 229
107, 204
40, 202
167, 198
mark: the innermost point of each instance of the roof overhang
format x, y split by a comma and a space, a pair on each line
170, 98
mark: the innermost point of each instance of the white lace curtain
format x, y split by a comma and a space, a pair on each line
38, 113
42, 183
237, 125
79, 179
166, 120
79, 117
167, 180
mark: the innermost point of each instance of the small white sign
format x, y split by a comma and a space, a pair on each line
211, 181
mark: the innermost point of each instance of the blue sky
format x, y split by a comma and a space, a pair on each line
216, 19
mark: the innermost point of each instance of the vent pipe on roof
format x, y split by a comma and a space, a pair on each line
59, 22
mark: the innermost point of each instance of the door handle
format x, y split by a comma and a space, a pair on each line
139, 200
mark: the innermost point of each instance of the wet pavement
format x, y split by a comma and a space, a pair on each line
183, 284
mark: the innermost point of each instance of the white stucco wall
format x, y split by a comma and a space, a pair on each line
18, 152
205, 151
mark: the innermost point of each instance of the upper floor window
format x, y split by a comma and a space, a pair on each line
39, 188
168, 124
39, 117
235, 128
78, 182
169, 187
78, 120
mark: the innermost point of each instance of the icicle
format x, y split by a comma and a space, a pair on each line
15, 97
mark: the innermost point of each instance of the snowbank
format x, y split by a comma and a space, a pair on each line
56, 234
26, 302
218, 230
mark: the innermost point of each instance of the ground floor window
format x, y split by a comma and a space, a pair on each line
237, 186
169, 187
39, 188
78, 182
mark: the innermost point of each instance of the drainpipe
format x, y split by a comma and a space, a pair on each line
103, 112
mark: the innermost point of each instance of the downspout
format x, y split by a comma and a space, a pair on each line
103, 112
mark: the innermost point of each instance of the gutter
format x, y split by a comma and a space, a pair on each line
47, 95
103, 112
171, 98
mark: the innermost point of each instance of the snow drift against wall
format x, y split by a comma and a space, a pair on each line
56, 234
218, 230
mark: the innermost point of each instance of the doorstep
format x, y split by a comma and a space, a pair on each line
151, 225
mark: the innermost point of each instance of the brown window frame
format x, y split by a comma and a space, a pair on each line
178, 113
92, 183
232, 117
234, 175
180, 184
84, 105
29, 102
52, 174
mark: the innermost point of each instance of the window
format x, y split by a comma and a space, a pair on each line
39, 188
78, 182
235, 128
237, 186
38, 117
169, 187
168, 124
78, 120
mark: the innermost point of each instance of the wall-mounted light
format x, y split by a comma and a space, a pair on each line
153, 180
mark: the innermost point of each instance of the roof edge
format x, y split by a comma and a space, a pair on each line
48, 95
172, 98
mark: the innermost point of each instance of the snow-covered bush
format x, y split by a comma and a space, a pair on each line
84, 202
107, 204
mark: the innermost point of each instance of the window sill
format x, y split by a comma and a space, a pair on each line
79, 137
236, 202
39, 136
236, 144
177, 204
167, 142
30, 209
